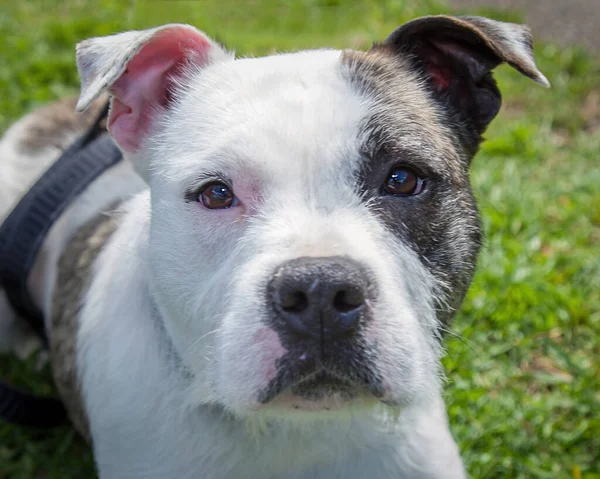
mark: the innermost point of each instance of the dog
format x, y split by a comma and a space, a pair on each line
261, 288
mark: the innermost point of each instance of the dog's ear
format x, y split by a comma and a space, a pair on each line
139, 69
457, 55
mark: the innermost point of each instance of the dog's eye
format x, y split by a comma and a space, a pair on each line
403, 181
217, 196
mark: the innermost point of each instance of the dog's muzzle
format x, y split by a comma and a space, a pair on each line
320, 307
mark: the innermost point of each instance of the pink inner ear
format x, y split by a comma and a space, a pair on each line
145, 84
436, 65
440, 77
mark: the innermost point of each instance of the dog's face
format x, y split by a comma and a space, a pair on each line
313, 227
295, 229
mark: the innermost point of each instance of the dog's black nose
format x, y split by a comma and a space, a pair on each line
321, 297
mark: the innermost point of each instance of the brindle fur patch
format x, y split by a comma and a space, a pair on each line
54, 125
74, 275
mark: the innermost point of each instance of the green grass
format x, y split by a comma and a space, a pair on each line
523, 389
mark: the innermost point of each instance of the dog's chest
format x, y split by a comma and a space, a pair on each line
72, 281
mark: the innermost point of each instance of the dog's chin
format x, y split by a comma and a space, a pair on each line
332, 402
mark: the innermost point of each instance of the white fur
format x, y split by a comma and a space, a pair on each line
170, 355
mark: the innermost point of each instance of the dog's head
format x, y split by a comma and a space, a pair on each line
313, 228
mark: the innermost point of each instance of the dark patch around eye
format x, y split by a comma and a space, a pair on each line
424, 219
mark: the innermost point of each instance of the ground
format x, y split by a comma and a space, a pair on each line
523, 386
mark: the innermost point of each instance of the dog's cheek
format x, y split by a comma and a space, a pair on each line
247, 349
247, 363
401, 331
405, 355
191, 267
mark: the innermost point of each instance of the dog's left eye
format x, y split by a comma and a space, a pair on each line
403, 181
217, 196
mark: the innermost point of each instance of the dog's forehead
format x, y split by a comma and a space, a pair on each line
260, 109
251, 87
295, 111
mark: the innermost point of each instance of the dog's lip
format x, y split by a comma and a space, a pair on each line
326, 379
323, 377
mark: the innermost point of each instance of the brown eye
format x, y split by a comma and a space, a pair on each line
403, 182
217, 196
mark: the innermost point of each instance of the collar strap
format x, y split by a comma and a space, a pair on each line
24, 409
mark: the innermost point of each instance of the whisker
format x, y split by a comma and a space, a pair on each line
197, 340
470, 344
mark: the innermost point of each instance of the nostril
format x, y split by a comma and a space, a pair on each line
345, 301
294, 302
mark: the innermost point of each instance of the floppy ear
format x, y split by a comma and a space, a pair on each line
139, 69
457, 55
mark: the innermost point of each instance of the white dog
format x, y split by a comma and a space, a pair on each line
293, 235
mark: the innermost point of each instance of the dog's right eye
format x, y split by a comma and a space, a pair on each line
217, 196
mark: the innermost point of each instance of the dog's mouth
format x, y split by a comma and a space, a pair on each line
324, 384
321, 391
319, 383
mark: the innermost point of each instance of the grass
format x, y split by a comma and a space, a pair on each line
523, 386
